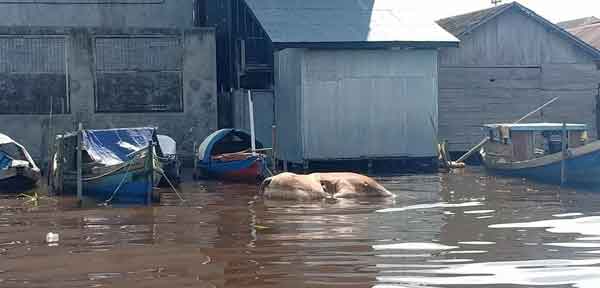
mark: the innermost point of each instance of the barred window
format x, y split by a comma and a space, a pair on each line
138, 74
33, 78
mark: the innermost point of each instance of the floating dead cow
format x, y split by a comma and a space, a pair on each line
316, 186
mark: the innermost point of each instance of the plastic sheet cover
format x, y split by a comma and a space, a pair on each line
115, 146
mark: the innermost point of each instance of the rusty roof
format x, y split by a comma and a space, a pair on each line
588, 33
578, 22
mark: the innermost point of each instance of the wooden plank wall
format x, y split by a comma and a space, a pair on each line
263, 113
506, 68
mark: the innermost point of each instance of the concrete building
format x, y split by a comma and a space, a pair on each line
106, 64
353, 79
511, 61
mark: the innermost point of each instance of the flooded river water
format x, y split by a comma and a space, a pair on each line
459, 230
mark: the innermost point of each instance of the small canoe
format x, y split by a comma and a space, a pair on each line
225, 155
119, 165
170, 161
534, 151
18, 171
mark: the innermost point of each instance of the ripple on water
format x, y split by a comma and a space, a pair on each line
526, 273
430, 206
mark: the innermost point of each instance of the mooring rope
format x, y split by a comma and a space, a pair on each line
162, 172
112, 196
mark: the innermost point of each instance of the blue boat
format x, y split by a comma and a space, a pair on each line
535, 151
227, 155
18, 171
119, 165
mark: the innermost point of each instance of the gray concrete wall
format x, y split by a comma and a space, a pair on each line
508, 67
97, 13
81, 70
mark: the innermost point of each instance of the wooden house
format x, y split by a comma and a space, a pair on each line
510, 61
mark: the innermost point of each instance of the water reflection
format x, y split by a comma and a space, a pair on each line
460, 230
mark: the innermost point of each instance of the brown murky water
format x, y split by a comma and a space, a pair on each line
458, 230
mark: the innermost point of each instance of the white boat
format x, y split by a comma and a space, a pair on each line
18, 171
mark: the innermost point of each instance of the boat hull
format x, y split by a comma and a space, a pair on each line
18, 179
134, 186
248, 170
582, 166
126, 183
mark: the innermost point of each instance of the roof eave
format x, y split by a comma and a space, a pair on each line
367, 45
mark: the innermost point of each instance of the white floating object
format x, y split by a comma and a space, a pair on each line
52, 237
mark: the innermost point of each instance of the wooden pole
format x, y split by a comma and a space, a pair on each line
251, 112
563, 166
196, 158
80, 162
536, 110
150, 170
60, 164
273, 143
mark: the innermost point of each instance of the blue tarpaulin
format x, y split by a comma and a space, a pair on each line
5, 160
115, 146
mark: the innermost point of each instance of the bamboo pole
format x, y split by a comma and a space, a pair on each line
251, 112
80, 162
563, 166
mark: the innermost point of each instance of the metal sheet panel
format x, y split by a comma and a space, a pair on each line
288, 91
369, 104
318, 21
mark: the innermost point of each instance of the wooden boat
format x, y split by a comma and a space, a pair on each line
117, 166
18, 171
227, 154
170, 161
535, 151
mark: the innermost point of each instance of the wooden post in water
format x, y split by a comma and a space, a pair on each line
195, 157
563, 166
80, 162
273, 143
149, 165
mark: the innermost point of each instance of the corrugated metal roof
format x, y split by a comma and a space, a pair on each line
289, 22
588, 33
463, 24
578, 22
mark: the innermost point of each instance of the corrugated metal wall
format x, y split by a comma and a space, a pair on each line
288, 94
359, 104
